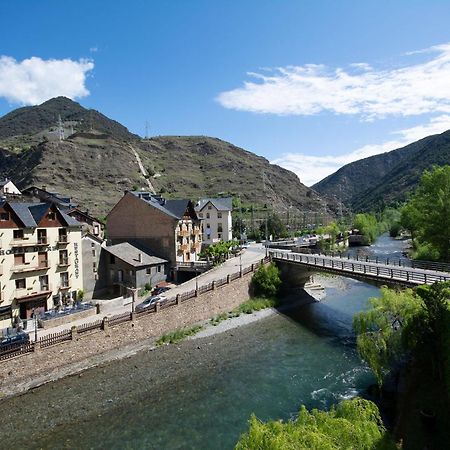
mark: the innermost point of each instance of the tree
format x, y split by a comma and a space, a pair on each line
352, 424
275, 227
367, 225
427, 214
266, 281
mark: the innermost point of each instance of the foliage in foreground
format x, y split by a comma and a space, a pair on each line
266, 281
352, 424
248, 307
427, 215
401, 323
178, 335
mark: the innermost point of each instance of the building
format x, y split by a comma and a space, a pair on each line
170, 229
40, 259
89, 223
132, 267
7, 187
95, 270
215, 214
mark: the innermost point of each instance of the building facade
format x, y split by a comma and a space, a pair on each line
169, 229
40, 259
7, 187
215, 214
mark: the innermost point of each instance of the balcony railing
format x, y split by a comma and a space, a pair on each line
22, 242
43, 265
183, 233
21, 293
184, 247
64, 284
42, 240
197, 232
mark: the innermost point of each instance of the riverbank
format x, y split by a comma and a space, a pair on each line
100, 349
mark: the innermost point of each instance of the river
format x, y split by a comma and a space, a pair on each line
200, 393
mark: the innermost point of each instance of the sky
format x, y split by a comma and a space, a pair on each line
310, 85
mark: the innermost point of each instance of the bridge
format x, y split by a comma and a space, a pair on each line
385, 271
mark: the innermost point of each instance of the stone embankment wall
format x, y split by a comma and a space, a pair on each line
22, 373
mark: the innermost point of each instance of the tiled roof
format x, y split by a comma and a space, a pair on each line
130, 254
30, 214
173, 208
221, 204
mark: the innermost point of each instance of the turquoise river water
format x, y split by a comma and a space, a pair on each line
200, 393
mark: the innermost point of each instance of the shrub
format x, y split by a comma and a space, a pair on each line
266, 281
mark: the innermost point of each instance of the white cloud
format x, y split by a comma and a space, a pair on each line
34, 80
360, 89
311, 169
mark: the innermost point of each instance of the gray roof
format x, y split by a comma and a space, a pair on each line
130, 254
173, 208
221, 204
30, 214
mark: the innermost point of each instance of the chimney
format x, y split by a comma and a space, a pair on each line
140, 257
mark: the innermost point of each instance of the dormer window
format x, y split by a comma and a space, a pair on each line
4, 216
51, 215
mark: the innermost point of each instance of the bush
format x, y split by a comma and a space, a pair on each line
266, 281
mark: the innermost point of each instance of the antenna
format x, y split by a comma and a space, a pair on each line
60, 128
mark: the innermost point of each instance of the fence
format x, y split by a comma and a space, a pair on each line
68, 335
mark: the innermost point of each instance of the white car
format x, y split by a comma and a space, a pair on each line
150, 301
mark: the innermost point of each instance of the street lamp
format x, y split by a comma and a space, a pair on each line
196, 279
240, 263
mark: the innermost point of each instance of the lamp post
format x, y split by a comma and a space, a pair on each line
240, 263
196, 279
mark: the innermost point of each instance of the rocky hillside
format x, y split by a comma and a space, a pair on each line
97, 162
373, 183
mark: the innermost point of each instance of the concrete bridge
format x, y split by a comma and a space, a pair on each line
296, 267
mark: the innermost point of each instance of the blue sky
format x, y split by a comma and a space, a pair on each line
310, 85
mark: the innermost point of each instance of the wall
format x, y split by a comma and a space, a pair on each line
94, 281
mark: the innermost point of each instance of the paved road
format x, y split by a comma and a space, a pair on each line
252, 254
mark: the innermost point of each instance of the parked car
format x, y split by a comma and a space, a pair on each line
160, 290
14, 340
148, 302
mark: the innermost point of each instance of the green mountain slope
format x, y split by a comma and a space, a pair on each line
384, 180
96, 163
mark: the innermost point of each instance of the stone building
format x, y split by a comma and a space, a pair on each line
169, 229
40, 259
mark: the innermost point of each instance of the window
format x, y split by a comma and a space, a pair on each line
219, 215
200, 215
64, 279
18, 234
42, 236
149, 270
92, 245
51, 215
159, 268
43, 283
96, 230
62, 232
112, 259
20, 283
94, 267
209, 207
207, 215
19, 259
93, 252
63, 257
219, 228
4, 216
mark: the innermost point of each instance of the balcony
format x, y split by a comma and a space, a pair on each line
22, 242
63, 262
197, 232
184, 233
30, 292
63, 239
184, 247
43, 265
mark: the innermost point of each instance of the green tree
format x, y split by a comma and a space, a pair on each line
427, 214
275, 227
352, 424
266, 281
367, 225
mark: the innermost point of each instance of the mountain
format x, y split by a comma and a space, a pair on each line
373, 183
100, 158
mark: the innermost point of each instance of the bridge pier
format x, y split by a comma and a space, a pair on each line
292, 275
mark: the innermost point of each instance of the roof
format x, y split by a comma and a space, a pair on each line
221, 204
130, 254
44, 195
173, 208
30, 214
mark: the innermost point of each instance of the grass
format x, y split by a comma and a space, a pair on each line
248, 307
178, 335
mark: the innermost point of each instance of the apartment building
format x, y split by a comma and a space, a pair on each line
169, 229
215, 214
40, 259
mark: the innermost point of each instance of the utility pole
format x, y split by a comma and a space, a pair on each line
60, 128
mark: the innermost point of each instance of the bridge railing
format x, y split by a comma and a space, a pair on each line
368, 269
400, 262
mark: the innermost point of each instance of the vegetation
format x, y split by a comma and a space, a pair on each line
369, 226
248, 307
333, 230
275, 227
427, 215
220, 251
178, 335
266, 281
352, 424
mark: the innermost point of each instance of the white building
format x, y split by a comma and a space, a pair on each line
40, 259
8, 187
215, 214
